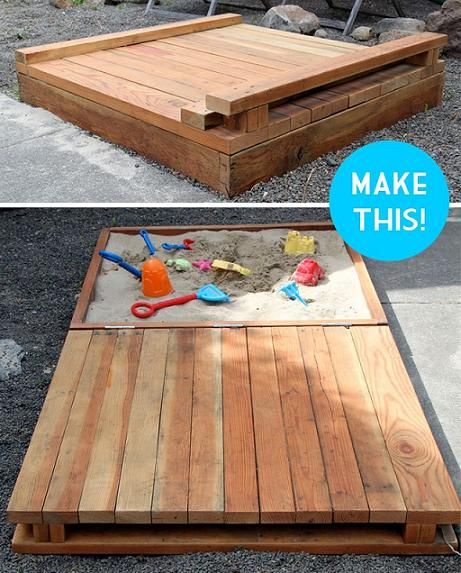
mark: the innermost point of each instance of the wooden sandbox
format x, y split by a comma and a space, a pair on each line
227, 103
169, 438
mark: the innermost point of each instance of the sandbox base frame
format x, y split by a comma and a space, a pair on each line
145, 540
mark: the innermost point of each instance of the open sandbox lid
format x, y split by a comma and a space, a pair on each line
345, 296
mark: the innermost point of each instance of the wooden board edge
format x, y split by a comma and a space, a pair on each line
368, 288
229, 101
165, 540
89, 282
58, 50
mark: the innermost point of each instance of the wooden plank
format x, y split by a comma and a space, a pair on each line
217, 63
198, 116
311, 51
240, 485
240, 54
158, 144
25, 505
293, 149
235, 100
368, 288
156, 60
274, 477
134, 497
86, 292
41, 532
57, 533
380, 483
140, 540
310, 488
147, 104
279, 50
66, 485
360, 90
294, 38
299, 115
424, 481
99, 495
117, 39
206, 479
119, 68
171, 485
323, 103
347, 495
113, 92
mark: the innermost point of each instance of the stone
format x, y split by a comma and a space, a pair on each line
362, 33
448, 21
406, 24
393, 35
291, 19
321, 33
63, 4
11, 355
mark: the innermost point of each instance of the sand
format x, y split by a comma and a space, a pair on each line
338, 296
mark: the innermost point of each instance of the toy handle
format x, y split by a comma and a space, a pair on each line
145, 235
117, 259
144, 309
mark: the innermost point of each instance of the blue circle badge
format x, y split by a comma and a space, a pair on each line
389, 200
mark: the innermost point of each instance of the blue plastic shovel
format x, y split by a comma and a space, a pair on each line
120, 261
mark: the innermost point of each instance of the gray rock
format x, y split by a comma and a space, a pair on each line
321, 33
448, 21
62, 3
291, 19
11, 355
393, 35
362, 33
406, 24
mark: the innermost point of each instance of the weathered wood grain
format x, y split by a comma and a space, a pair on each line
171, 485
240, 482
69, 474
206, 479
26, 503
423, 478
274, 477
134, 498
310, 487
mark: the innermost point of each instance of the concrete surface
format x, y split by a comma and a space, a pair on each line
61, 163
422, 300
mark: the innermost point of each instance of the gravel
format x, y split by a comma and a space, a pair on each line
44, 257
31, 22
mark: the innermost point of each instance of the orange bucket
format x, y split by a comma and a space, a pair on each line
155, 279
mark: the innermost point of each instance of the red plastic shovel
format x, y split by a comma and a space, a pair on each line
209, 293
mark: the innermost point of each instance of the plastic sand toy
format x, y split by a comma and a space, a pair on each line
308, 273
203, 264
120, 261
297, 244
185, 245
155, 279
208, 293
292, 292
226, 266
145, 235
180, 265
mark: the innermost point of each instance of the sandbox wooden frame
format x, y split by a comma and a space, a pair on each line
232, 136
185, 438
377, 315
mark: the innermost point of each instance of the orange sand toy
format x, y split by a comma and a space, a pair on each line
155, 279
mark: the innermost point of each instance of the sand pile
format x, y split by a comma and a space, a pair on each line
338, 296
